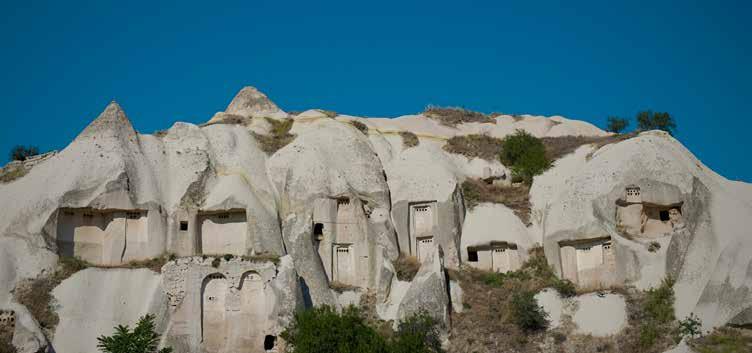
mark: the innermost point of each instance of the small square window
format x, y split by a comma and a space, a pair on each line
183, 226
664, 215
472, 256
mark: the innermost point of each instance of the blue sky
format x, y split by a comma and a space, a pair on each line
182, 61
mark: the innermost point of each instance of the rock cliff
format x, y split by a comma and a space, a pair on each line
248, 235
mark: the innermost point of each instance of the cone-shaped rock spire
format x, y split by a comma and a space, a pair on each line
111, 122
251, 102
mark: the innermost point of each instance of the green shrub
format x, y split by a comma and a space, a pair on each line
22, 153
142, 339
616, 124
654, 246
527, 314
417, 333
648, 120
525, 154
360, 126
659, 304
691, 326
228, 257
216, 262
322, 329
564, 287
657, 311
409, 139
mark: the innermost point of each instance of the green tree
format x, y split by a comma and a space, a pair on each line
21, 153
418, 333
616, 124
525, 154
142, 339
322, 329
648, 120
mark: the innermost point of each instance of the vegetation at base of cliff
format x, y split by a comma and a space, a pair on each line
517, 198
409, 139
474, 146
406, 267
279, 135
154, 264
323, 329
36, 294
724, 340
525, 155
526, 312
451, 116
141, 339
6, 346
360, 126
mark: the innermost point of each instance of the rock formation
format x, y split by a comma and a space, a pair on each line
255, 236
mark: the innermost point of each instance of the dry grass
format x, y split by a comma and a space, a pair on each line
154, 264
36, 294
409, 139
475, 146
487, 323
360, 126
724, 339
329, 113
451, 116
406, 267
557, 147
265, 257
517, 198
12, 172
279, 136
340, 287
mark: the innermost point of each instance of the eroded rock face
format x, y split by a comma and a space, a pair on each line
218, 305
683, 224
337, 206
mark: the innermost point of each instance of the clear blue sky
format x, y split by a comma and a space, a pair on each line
182, 61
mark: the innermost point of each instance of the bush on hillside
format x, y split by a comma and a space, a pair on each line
142, 339
360, 126
657, 313
417, 333
323, 329
648, 120
22, 153
279, 135
527, 314
525, 154
616, 124
409, 139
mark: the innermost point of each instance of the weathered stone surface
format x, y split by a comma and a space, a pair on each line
338, 205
